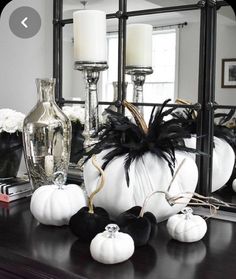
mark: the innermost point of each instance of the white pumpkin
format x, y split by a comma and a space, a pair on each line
186, 227
54, 205
111, 246
147, 174
223, 161
234, 185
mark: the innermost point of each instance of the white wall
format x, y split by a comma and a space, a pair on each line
23, 60
189, 60
226, 48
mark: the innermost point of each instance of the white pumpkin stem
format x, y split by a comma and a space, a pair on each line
208, 199
184, 102
137, 116
174, 176
161, 192
100, 185
142, 211
199, 200
212, 198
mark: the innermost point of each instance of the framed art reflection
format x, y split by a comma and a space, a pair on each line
228, 73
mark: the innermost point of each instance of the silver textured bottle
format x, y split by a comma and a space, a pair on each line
46, 137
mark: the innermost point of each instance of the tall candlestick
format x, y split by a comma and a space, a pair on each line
90, 36
90, 57
139, 45
138, 75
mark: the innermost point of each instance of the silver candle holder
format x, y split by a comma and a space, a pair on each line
91, 71
138, 76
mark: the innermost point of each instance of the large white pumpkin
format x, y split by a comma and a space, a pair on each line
54, 205
147, 174
223, 161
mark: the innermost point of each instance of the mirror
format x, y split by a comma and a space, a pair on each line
225, 91
225, 85
224, 155
174, 59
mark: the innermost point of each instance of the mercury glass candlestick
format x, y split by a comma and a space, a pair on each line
138, 75
91, 71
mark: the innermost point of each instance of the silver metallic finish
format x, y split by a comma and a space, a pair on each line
91, 72
138, 75
59, 178
46, 137
188, 212
112, 229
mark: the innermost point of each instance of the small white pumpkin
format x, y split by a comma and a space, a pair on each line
55, 204
186, 227
234, 185
111, 246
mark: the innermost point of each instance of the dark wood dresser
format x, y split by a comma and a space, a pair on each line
30, 250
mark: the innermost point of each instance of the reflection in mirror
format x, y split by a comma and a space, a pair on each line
175, 53
225, 133
175, 63
225, 94
224, 142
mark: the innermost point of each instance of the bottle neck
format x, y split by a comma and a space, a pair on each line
46, 90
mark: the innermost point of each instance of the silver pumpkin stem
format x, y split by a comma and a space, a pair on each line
59, 179
188, 212
112, 229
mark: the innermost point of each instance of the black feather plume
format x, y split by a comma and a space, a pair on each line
124, 137
220, 124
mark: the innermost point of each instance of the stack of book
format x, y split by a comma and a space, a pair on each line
12, 189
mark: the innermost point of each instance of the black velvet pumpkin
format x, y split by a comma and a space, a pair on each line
141, 229
87, 225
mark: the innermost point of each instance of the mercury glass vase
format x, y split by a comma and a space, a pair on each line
46, 137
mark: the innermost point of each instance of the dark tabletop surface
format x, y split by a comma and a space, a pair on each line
30, 250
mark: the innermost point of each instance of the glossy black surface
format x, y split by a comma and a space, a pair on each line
30, 250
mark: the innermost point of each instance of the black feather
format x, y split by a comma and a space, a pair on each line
224, 117
124, 137
220, 124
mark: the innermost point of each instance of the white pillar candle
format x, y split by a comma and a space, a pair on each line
89, 36
139, 45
